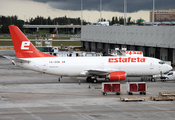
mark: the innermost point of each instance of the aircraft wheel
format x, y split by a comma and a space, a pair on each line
94, 80
166, 79
153, 79
117, 93
89, 79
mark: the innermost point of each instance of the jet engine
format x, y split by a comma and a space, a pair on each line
116, 76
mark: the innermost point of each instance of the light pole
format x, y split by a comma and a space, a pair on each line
81, 13
54, 19
11, 20
125, 12
153, 12
100, 9
24, 19
41, 20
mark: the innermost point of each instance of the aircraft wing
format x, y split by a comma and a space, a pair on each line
97, 72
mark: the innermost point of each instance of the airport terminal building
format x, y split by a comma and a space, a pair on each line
154, 41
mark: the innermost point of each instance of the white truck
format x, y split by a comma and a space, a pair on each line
166, 76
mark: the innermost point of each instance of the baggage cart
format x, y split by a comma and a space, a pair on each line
111, 87
162, 98
167, 93
140, 87
126, 99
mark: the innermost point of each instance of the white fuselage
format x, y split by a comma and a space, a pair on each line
77, 66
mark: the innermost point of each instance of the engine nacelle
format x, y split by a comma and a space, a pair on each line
116, 76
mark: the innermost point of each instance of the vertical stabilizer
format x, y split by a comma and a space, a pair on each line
23, 47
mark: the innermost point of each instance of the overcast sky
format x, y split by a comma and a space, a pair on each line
26, 9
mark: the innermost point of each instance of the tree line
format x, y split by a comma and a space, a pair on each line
5, 21
120, 20
39, 20
9, 20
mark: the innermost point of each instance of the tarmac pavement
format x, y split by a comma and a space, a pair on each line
29, 95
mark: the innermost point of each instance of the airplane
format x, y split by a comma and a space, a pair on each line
112, 68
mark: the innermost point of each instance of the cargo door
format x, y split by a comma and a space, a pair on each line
115, 87
141, 87
133, 87
44, 68
107, 87
151, 64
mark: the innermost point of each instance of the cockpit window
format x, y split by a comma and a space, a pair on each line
161, 62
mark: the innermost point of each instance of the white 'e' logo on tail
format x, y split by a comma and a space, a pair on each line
25, 45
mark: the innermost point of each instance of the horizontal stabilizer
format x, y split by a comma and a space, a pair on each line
14, 59
9, 57
21, 61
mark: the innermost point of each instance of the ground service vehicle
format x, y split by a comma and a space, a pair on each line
168, 76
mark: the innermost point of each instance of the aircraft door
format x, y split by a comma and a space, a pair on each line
151, 64
45, 67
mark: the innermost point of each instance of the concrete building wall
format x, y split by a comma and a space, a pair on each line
93, 46
163, 15
152, 52
163, 54
99, 47
173, 57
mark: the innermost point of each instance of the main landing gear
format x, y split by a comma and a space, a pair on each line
93, 80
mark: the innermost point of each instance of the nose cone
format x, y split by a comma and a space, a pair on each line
169, 68
166, 68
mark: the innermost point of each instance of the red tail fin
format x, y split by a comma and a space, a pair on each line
23, 47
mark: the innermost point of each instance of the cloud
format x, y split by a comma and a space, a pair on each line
110, 5
25, 11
